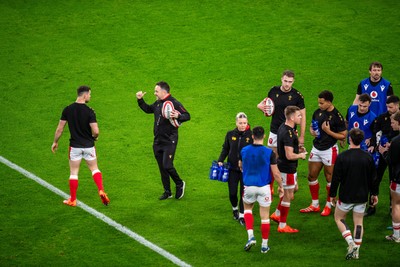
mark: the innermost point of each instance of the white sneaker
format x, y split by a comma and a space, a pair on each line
393, 238
350, 251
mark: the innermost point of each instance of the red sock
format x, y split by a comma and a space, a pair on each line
284, 211
249, 220
314, 189
98, 179
73, 187
280, 204
328, 190
265, 227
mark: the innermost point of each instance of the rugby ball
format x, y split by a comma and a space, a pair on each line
270, 106
166, 109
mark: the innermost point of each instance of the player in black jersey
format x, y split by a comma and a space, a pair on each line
283, 96
354, 175
382, 128
332, 128
391, 154
84, 131
289, 154
165, 136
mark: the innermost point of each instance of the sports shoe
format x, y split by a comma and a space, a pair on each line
104, 198
326, 211
180, 191
356, 253
275, 217
370, 211
310, 208
351, 250
393, 238
287, 229
264, 249
235, 215
69, 202
165, 195
242, 222
251, 242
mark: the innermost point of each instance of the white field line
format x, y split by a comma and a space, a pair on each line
97, 214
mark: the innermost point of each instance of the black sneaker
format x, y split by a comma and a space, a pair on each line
235, 215
180, 191
370, 211
165, 195
242, 222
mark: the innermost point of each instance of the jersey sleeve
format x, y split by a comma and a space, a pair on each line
272, 159
359, 89
390, 90
92, 116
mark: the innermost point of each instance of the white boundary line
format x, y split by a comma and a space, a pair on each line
97, 214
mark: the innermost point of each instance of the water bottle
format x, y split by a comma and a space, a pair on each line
314, 125
383, 140
376, 156
225, 173
214, 170
363, 146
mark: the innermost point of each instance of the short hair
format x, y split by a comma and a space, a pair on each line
82, 89
288, 73
392, 99
364, 98
241, 115
375, 64
289, 110
327, 95
258, 132
163, 85
396, 116
356, 135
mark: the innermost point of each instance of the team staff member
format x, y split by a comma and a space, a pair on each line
392, 156
84, 130
382, 124
377, 87
355, 172
235, 140
283, 96
324, 152
360, 116
289, 154
165, 136
257, 175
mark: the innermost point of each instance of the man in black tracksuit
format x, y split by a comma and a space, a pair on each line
235, 140
166, 135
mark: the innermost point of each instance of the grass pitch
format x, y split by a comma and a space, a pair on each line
220, 57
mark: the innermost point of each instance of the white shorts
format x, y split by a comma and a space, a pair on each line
76, 153
289, 180
260, 194
327, 157
394, 187
358, 208
272, 140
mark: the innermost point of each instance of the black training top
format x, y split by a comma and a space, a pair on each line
355, 172
287, 136
79, 116
281, 101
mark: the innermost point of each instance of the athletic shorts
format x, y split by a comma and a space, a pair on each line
327, 157
395, 187
356, 207
260, 194
77, 153
289, 180
272, 140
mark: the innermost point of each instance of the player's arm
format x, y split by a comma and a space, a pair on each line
57, 135
261, 106
95, 130
290, 155
359, 92
338, 136
302, 126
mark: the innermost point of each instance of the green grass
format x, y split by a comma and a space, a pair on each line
220, 57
